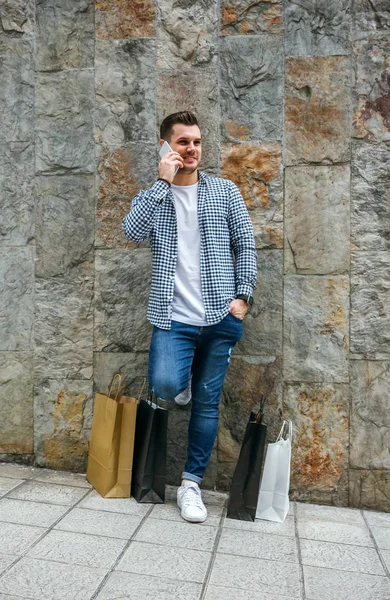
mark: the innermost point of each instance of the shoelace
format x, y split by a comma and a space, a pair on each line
192, 496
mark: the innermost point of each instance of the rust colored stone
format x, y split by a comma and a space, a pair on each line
121, 19
236, 130
369, 108
16, 448
244, 16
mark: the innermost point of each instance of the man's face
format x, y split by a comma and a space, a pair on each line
186, 140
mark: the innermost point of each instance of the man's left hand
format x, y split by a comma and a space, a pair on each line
238, 308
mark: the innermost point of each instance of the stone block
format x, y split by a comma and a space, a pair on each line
64, 328
195, 90
370, 15
317, 220
18, 16
187, 34
115, 19
125, 91
371, 93
17, 84
251, 87
132, 366
16, 298
17, 193
16, 402
370, 414
64, 133
247, 17
319, 464
369, 489
62, 423
258, 173
316, 326
317, 110
370, 304
65, 215
122, 288
123, 172
370, 217
263, 323
319, 28
65, 35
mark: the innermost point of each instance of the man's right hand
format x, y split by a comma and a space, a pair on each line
168, 165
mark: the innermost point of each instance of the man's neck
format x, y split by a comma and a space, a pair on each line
186, 178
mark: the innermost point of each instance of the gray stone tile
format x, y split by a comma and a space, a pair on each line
50, 493
331, 531
382, 537
215, 592
7, 484
16, 471
149, 559
127, 506
256, 575
379, 519
328, 584
41, 580
8, 597
171, 512
6, 561
386, 557
329, 513
179, 535
343, 557
16, 539
100, 523
258, 545
62, 477
30, 513
130, 586
287, 528
78, 549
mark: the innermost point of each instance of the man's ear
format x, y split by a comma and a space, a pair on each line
161, 142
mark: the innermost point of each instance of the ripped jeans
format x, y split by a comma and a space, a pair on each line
203, 353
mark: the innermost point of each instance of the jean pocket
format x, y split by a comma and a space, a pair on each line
235, 318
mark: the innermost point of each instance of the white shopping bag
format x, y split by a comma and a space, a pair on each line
273, 502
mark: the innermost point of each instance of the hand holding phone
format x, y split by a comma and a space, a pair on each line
165, 148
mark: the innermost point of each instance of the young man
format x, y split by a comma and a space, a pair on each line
204, 273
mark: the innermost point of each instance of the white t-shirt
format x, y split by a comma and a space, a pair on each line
187, 304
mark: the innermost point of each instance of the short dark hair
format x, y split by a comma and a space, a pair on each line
185, 117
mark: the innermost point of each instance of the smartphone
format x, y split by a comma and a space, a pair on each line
164, 149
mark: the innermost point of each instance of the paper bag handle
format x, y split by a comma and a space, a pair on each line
281, 433
119, 377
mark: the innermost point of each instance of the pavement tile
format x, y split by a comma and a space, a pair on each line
8, 483
382, 537
6, 561
257, 575
332, 531
62, 477
329, 584
379, 519
386, 557
45, 580
171, 512
341, 556
258, 545
178, 563
130, 586
30, 513
178, 535
49, 493
287, 528
215, 592
101, 523
78, 549
335, 514
17, 471
127, 506
16, 539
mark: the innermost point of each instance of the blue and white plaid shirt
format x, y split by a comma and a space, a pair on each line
227, 254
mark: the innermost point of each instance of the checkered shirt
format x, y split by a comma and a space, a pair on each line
227, 254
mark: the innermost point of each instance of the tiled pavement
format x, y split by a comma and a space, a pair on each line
60, 541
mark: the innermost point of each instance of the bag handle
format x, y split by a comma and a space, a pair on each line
281, 433
118, 377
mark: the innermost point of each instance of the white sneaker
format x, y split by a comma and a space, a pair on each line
189, 500
184, 398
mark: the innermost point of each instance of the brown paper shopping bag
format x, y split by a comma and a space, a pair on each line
110, 459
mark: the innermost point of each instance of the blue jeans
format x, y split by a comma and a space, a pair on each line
204, 353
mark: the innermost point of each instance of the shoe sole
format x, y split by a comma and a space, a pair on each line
193, 520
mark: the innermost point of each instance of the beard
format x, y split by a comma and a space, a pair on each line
188, 169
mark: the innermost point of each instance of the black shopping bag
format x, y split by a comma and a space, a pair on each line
244, 492
150, 452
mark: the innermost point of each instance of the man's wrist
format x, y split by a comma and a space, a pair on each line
164, 180
246, 297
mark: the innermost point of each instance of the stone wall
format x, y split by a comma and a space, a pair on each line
294, 103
